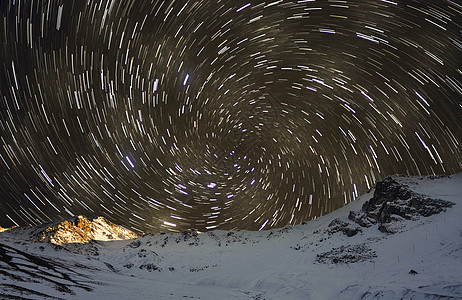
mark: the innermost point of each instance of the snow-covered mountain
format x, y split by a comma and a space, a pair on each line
401, 240
78, 229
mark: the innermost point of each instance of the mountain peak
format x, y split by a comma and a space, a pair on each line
80, 229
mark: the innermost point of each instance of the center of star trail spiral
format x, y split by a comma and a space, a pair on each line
169, 115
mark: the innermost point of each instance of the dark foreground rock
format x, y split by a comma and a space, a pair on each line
347, 255
392, 202
340, 226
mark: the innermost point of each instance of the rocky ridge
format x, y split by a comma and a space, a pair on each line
81, 230
75, 230
392, 202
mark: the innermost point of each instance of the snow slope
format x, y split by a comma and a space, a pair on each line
333, 257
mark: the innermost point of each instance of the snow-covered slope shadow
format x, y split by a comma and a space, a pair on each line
401, 240
28, 274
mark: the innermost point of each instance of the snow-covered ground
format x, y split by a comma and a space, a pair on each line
332, 257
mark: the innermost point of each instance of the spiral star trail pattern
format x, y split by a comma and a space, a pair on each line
169, 115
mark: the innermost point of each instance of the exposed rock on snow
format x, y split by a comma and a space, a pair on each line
78, 229
393, 202
338, 225
346, 255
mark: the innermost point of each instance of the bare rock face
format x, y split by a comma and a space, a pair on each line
392, 202
81, 230
338, 225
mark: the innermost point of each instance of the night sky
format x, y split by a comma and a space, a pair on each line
169, 115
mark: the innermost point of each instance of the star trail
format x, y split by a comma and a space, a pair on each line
170, 115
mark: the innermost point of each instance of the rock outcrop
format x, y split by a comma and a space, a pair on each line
81, 230
392, 202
